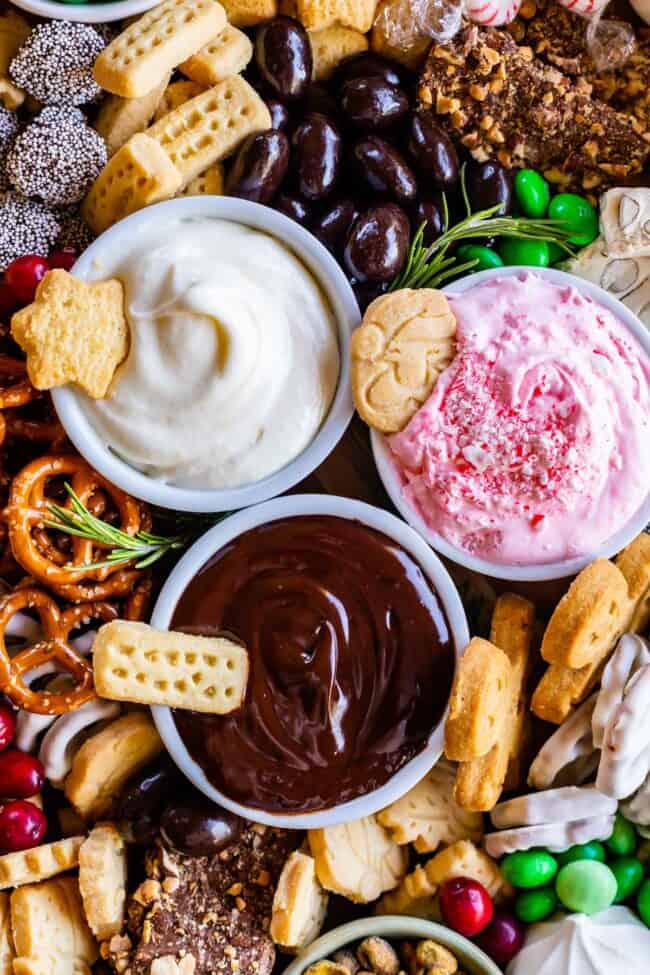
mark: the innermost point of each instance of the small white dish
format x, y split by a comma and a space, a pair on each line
309, 250
518, 573
294, 506
472, 959
86, 13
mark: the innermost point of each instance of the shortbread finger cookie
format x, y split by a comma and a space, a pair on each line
404, 342
589, 618
332, 45
210, 127
176, 95
572, 745
14, 31
39, 863
479, 701
631, 653
415, 896
7, 953
358, 860
107, 760
248, 13
102, 879
148, 50
140, 173
73, 332
209, 183
50, 933
134, 662
317, 14
634, 563
120, 118
464, 859
299, 903
224, 56
566, 804
428, 816
555, 837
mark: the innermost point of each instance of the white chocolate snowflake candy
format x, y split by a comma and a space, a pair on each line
632, 652
637, 807
625, 757
570, 746
625, 221
554, 836
563, 805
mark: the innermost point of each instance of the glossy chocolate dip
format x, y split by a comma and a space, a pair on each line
351, 663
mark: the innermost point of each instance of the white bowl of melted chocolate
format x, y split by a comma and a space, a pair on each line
352, 627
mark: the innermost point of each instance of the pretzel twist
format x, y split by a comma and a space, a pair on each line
15, 387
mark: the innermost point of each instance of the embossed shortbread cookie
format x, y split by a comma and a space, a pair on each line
316, 14
120, 118
404, 342
134, 662
428, 816
144, 54
248, 13
102, 879
7, 953
39, 863
478, 701
73, 332
210, 127
299, 903
49, 929
107, 760
332, 45
140, 173
224, 56
209, 183
634, 563
175, 95
358, 859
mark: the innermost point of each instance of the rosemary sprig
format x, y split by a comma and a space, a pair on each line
141, 549
427, 267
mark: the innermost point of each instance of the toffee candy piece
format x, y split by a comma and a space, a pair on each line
55, 64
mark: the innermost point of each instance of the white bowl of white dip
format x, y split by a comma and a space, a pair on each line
236, 386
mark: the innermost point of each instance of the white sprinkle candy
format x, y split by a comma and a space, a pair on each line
56, 157
26, 227
55, 64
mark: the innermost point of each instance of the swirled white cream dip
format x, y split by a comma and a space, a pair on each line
234, 356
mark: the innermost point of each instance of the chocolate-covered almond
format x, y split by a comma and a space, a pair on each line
432, 150
259, 167
384, 168
317, 150
372, 103
283, 56
377, 244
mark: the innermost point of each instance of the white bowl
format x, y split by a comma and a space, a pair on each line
295, 505
86, 13
310, 251
472, 959
519, 573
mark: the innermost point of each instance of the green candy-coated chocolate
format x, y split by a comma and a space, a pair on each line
533, 253
529, 868
486, 257
622, 842
629, 874
555, 253
582, 851
532, 192
643, 902
577, 215
535, 905
586, 886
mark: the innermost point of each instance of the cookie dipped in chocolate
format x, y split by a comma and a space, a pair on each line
351, 663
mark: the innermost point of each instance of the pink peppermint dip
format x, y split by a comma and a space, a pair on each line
534, 446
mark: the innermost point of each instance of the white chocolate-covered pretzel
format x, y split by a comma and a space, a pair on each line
632, 652
565, 805
554, 836
637, 807
625, 757
59, 743
571, 743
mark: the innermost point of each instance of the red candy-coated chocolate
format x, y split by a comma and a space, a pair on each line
502, 939
7, 726
63, 258
466, 905
22, 826
8, 303
23, 276
21, 775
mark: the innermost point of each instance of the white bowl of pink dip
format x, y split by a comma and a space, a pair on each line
532, 455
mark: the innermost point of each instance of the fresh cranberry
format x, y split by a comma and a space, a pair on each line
22, 825
466, 905
7, 726
64, 258
21, 775
502, 939
8, 303
23, 276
